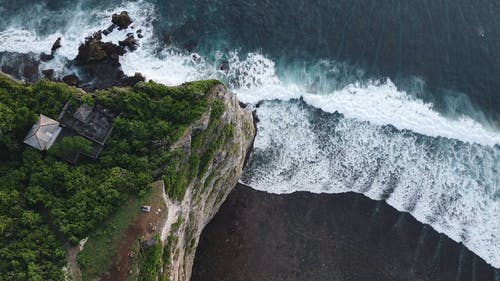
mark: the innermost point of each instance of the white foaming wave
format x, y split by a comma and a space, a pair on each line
383, 104
450, 185
170, 67
25, 41
253, 77
81, 23
378, 102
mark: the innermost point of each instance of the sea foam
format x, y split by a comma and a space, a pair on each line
367, 136
449, 184
252, 76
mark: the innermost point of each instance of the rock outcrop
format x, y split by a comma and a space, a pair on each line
210, 187
122, 20
94, 51
56, 45
24, 67
47, 57
130, 42
99, 60
71, 80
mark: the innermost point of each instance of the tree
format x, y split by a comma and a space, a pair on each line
70, 145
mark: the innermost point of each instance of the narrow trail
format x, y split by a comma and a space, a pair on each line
173, 210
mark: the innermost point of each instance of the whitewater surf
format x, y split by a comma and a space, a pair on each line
324, 127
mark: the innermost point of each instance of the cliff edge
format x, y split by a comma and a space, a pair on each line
211, 155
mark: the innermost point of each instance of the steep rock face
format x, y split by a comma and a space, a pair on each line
221, 142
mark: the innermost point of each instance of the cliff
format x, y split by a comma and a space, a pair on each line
211, 155
190, 140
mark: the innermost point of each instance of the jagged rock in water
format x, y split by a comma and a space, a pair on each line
96, 51
46, 57
130, 42
139, 33
122, 20
99, 61
109, 29
56, 45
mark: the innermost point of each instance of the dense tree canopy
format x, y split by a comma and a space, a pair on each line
45, 201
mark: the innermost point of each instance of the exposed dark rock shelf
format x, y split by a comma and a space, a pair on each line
97, 63
303, 236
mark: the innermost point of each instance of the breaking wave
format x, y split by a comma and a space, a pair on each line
324, 126
449, 184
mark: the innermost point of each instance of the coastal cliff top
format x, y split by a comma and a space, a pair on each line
47, 202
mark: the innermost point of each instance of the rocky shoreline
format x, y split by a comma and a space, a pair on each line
305, 236
97, 65
223, 140
255, 235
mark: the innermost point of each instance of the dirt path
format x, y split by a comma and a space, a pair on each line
173, 212
71, 254
144, 227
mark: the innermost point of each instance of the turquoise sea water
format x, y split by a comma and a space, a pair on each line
398, 100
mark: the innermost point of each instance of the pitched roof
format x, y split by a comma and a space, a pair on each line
43, 133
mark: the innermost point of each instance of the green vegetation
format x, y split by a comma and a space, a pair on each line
70, 145
45, 202
167, 252
204, 144
151, 261
169, 247
96, 256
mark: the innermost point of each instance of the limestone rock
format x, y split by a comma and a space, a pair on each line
206, 192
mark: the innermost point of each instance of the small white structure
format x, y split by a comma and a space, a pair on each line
146, 208
43, 133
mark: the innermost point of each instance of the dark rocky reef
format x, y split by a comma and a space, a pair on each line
95, 51
47, 57
48, 74
122, 20
99, 61
130, 42
97, 65
24, 67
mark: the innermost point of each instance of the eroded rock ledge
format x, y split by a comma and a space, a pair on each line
234, 131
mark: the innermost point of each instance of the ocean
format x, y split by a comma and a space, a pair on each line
396, 100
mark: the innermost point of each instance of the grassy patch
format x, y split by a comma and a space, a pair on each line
151, 261
96, 257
